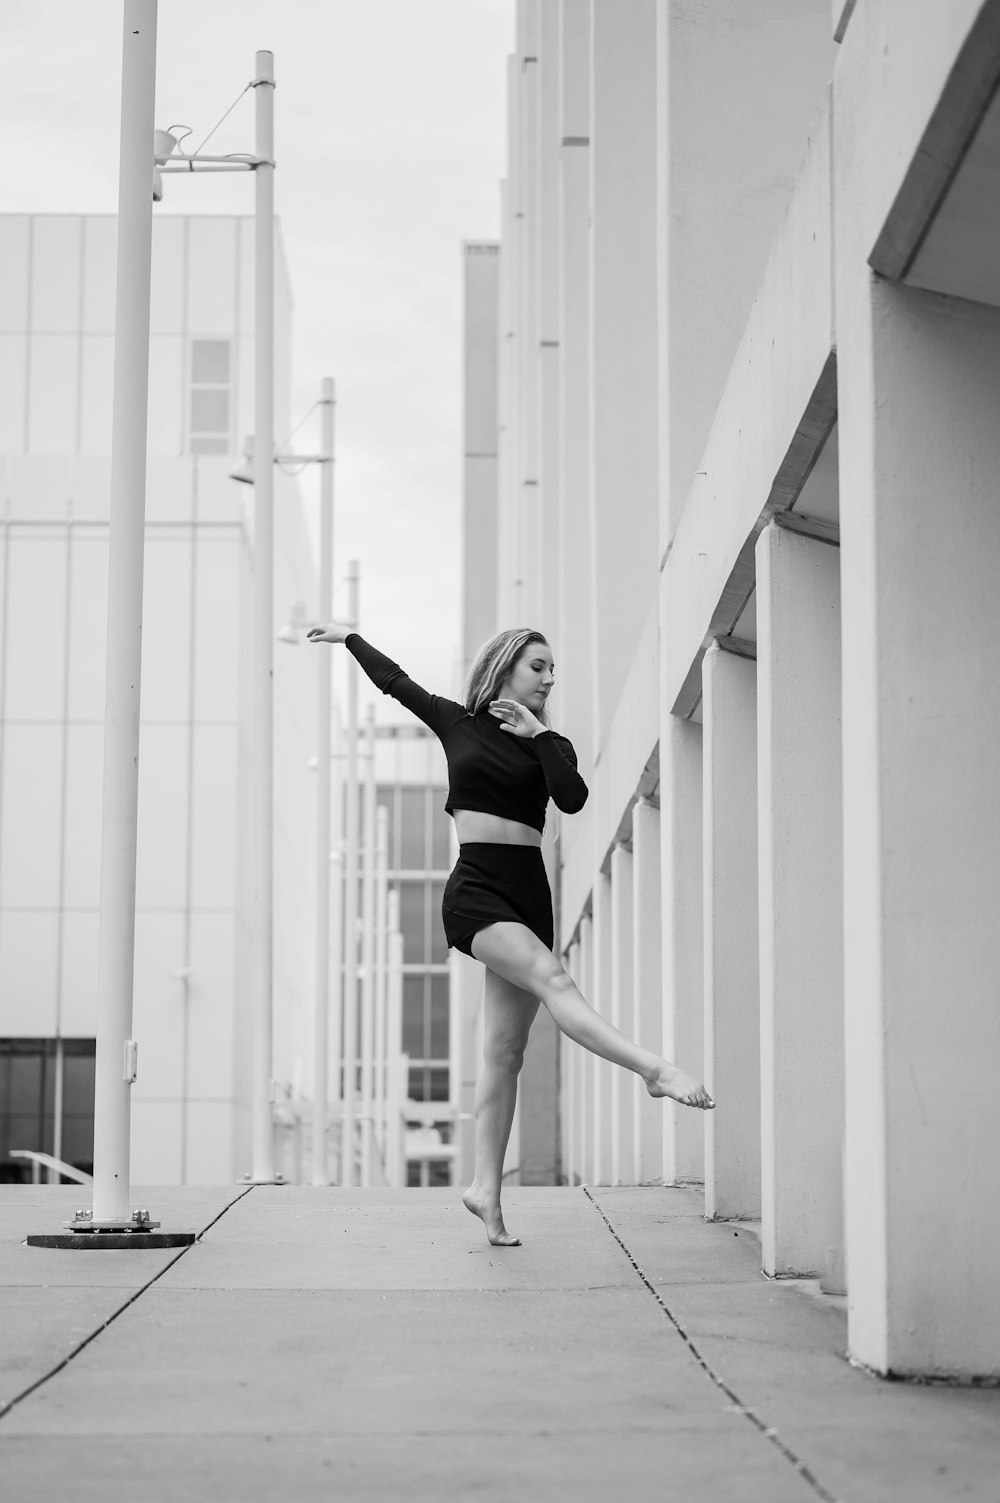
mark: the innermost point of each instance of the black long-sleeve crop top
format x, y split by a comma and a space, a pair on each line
489, 770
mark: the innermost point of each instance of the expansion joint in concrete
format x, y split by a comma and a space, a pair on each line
9, 1404
748, 1413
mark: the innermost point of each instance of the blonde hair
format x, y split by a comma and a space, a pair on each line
495, 661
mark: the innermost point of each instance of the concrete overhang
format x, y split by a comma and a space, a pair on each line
942, 231
775, 416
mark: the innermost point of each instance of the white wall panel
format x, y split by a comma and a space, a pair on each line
13, 353
52, 394
213, 874
96, 393
100, 269
55, 273
90, 486
161, 877
211, 1127
14, 241
166, 394
158, 1009
246, 265
84, 794
166, 623
168, 489
78, 1002
28, 953
36, 607
211, 293
243, 362
217, 608
30, 816
166, 308
210, 1055
88, 616
156, 1142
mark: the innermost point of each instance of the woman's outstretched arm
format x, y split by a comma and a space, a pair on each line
434, 710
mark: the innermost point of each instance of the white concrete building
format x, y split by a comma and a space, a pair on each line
749, 358
190, 1102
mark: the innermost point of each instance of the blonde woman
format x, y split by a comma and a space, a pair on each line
504, 764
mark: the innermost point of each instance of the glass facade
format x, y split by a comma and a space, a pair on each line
30, 1087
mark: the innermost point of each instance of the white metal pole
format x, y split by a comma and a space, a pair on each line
323, 771
398, 1084
368, 953
381, 951
351, 899
116, 946
337, 974
263, 628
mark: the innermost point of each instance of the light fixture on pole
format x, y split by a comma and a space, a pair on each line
111, 1223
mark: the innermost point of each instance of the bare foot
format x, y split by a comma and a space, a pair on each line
667, 1080
488, 1210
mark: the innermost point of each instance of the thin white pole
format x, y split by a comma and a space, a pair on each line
368, 953
397, 1070
116, 945
263, 629
381, 953
351, 899
337, 971
323, 772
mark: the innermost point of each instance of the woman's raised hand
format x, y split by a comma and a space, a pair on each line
333, 631
516, 717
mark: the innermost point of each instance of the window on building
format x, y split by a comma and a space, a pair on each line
37, 1076
209, 426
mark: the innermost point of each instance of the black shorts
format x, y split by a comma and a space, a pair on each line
496, 884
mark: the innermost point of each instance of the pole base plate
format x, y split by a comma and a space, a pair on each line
110, 1241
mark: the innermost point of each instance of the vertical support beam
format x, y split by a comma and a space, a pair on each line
571, 1146
800, 813
920, 388
368, 951
263, 626
600, 1000
681, 856
583, 1063
622, 1103
647, 975
351, 874
623, 373
324, 667
119, 819
732, 1029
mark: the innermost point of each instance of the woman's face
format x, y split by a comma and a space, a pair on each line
531, 677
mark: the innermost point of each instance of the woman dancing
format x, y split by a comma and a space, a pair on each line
504, 764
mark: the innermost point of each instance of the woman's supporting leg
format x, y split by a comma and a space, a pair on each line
508, 1015
514, 952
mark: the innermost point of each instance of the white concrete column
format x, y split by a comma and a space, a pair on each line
622, 1104
732, 1028
920, 470
582, 1062
480, 419
681, 841
551, 574
647, 981
576, 644
800, 834
623, 372
600, 999
570, 1111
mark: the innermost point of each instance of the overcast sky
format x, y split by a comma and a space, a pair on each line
389, 137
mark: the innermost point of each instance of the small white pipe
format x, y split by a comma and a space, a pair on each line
398, 1074
324, 768
368, 952
381, 957
351, 901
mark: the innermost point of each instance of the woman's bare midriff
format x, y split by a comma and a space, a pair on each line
471, 825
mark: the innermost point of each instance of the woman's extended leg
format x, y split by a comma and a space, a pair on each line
512, 951
508, 1015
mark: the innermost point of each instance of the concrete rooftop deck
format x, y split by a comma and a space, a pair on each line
318, 1344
